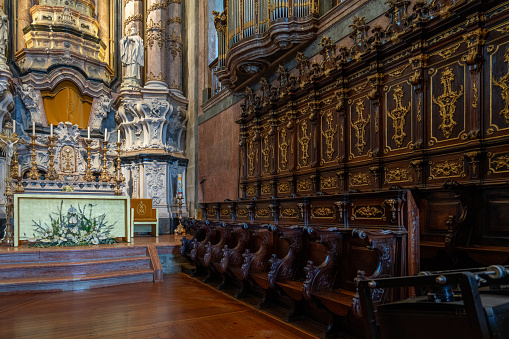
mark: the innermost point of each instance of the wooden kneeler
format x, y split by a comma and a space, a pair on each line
142, 213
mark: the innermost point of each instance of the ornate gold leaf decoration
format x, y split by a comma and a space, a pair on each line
419, 116
360, 127
397, 175
360, 179
498, 163
251, 190
446, 53
210, 212
503, 84
322, 212
252, 157
447, 103
446, 169
242, 212
329, 135
262, 213
266, 189
304, 142
329, 182
288, 212
266, 152
476, 95
283, 147
304, 185
283, 188
398, 116
367, 212
224, 212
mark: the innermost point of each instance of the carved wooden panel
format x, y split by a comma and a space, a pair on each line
361, 179
445, 168
267, 154
496, 208
400, 174
360, 122
329, 182
435, 210
306, 143
285, 148
398, 117
330, 137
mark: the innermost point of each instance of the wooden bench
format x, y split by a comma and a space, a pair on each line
142, 213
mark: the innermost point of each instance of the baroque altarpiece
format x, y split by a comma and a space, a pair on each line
74, 69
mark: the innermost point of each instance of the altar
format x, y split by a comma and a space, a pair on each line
34, 212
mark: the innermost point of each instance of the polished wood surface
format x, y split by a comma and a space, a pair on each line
179, 307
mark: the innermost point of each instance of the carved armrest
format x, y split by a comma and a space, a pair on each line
285, 268
233, 256
226, 253
208, 254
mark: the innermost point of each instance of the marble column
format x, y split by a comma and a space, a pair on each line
174, 60
24, 19
155, 42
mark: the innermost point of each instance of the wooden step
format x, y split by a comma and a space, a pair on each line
72, 268
65, 283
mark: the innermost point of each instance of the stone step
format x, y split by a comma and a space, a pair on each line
69, 254
73, 268
54, 284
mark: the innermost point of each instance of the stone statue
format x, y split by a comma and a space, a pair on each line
132, 56
4, 36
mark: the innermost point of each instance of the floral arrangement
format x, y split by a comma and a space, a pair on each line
73, 229
67, 188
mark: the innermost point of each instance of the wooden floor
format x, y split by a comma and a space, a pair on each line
179, 307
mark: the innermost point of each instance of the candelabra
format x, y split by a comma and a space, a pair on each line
105, 176
15, 172
89, 176
119, 177
33, 174
52, 173
180, 228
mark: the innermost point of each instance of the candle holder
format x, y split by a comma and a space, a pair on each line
180, 230
8, 238
33, 174
118, 169
89, 176
105, 176
52, 173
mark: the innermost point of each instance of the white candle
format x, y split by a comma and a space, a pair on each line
105, 134
118, 135
88, 132
13, 126
33, 127
51, 130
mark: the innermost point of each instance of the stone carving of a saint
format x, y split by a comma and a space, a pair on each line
132, 56
4, 36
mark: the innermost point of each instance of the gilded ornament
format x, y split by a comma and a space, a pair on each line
329, 182
360, 179
242, 212
368, 212
476, 95
283, 147
446, 53
210, 212
498, 163
262, 213
398, 116
503, 84
288, 212
360, 127
251, 190
304, 142
322, 212
266, 152
266, 189
224, 212
419, 116
446, 169
252, 158
304, 185
283, 188
397, 175
447, 103
329, 136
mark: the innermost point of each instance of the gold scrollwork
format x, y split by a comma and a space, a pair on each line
283, 188
367, 212
329, 182
476, 95
210, 212
304, 185
224, 212
397, 175
266, 189
304, 142
251, 190
329, 136
446, 53
446, 169
447, 103
288, 212
283, 147
322, 212
360, 179
498, 163
253, 157
262, 213
503, 84
419, 116
398, 116
360, 127
267, 151
242, 212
